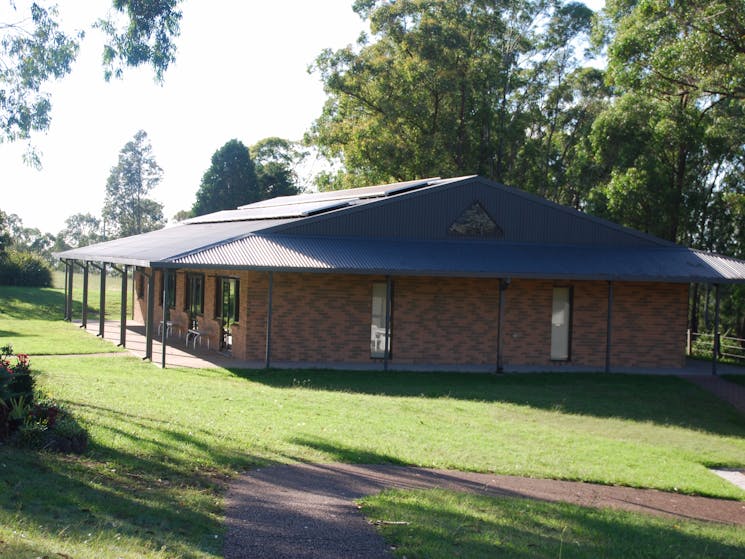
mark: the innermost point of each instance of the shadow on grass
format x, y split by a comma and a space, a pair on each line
446, 524
662, 400
34, 303
347, 454
154, 497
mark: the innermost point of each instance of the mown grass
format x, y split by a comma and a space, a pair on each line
164, 442
31, 321
441, 525
737, 379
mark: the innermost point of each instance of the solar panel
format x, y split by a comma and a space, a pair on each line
364, 192
252, 212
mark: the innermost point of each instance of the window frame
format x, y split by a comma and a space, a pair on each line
375, 326
192, 277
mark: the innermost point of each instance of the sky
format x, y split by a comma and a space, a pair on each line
241, 72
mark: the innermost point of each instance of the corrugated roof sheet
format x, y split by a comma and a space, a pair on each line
157, 246
467, 258
403, 229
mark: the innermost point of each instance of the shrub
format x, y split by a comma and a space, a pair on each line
33, 422
24, 269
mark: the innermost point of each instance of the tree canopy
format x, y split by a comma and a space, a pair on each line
239, 175
127, 209
35, 50
229, 182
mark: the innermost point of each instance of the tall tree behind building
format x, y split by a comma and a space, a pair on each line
127, 209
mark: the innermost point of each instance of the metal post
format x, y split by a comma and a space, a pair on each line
609, 328
67, 271
267, 360
715, 348
86, 268
102, 303
149, 318
123, 311
70, 275
166, 313
388, 300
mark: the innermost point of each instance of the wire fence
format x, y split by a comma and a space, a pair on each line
701, 344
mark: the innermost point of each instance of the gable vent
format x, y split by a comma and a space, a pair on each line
475, 221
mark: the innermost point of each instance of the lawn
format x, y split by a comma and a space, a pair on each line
31, 320
441, 525
165, 442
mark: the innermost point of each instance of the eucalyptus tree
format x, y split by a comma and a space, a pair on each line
34, 50
443, 88
127, 209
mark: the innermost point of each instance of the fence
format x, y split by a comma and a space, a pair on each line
702, 344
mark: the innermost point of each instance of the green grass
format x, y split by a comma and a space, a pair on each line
164, 442
442, 524
31, 320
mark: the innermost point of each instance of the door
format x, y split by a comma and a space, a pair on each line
227, 308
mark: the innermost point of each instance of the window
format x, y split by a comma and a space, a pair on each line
171, 290
561, 315
194, 294
378, 326
227, 297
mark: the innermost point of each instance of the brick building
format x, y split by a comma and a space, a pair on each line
463, 273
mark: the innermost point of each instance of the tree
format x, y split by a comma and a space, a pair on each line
127, 210
276, 161
445, 88
33, 51
229, 182
4, 233
679, 47
80, 230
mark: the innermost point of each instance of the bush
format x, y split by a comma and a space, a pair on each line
33, 422
24, 269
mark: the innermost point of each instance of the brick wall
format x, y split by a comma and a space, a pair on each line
649, 324
319, 318
444, 320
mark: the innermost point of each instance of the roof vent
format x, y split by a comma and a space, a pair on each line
475, 221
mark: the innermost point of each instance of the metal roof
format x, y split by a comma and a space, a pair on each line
466, 258
161, 245
403, 229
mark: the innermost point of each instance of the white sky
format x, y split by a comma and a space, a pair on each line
241, 72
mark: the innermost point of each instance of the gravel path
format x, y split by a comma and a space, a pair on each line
308, 511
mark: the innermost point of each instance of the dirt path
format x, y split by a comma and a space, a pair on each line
308, 511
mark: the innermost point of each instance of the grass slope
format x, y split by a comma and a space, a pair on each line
164, 442
441, 525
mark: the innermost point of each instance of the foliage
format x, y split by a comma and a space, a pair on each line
80, 230
5, 238
145, 36
678, 48
229, 182
34, 50
276, 161
32, 422
127, 210
455, 87
444, 524
24, 269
